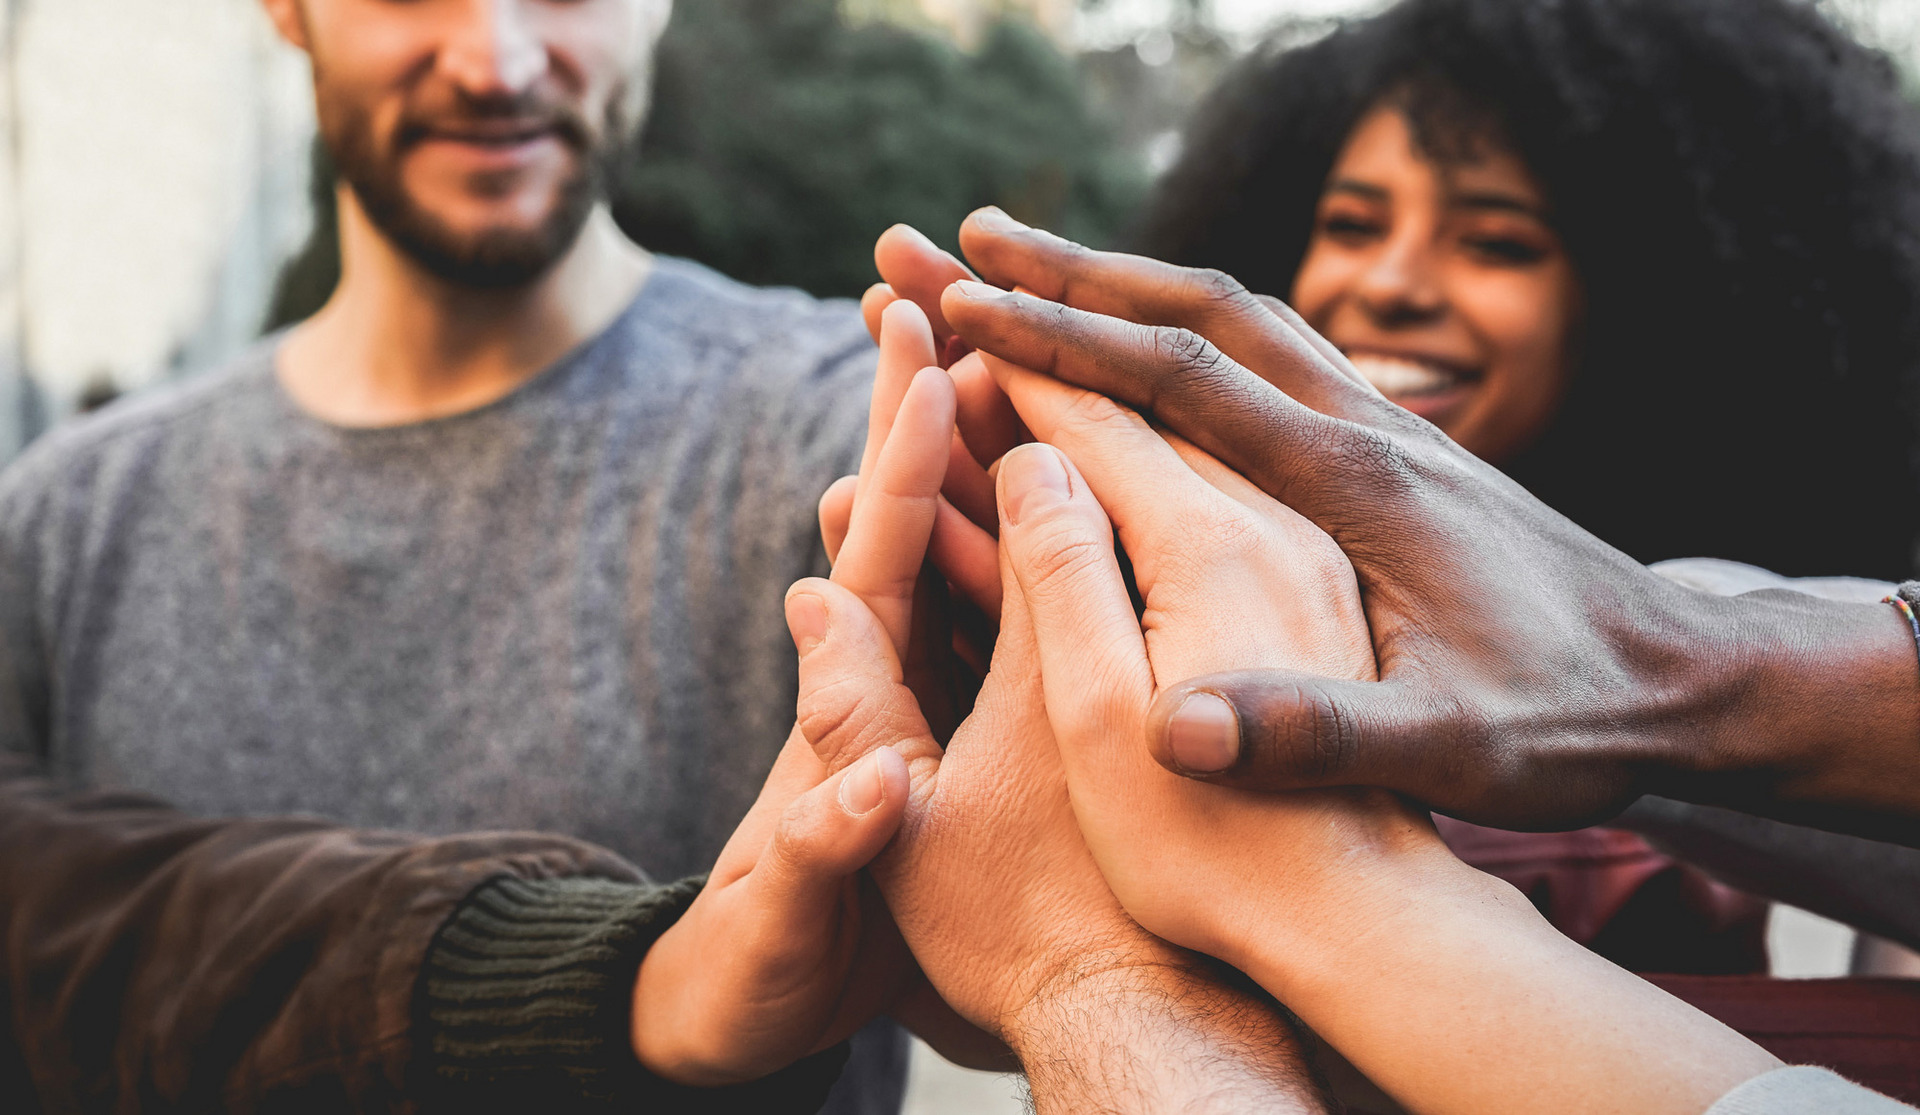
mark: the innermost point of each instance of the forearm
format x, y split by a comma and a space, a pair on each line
1810, 713
1867, 884
1161, 1039
254, 964
1450, 992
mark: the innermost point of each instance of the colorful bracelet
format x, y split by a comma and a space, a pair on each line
1906, 598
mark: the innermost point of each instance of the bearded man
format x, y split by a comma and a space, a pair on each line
496, 540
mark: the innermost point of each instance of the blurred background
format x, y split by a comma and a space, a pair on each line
162, 204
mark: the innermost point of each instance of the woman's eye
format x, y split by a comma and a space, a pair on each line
1344, 227
1502, 250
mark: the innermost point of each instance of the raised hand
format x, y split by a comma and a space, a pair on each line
1440, 983
788, 950
989, 879
1530, 675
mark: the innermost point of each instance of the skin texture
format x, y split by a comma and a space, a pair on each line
1448, 264
1530, 675
474, 247
989, 879
1344, 903
788, 950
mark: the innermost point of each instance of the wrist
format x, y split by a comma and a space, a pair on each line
1817, 707
1163, 1034
1363, 922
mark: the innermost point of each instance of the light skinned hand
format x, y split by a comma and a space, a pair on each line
989, 879
788, 950
1443, 985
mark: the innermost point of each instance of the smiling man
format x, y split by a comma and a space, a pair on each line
496, 540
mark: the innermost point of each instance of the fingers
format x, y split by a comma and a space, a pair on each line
873, 302
826, 835
906, 346
852, 697
1277, 730
1321, 466
969, 558
917, 269
988, 423
1155, 498
1259, 333
836, 514
893, 516
1093, 656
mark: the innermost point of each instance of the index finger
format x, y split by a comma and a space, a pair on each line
917, 269
1317, 464
1259, 332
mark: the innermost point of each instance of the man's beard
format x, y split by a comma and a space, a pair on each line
494, 258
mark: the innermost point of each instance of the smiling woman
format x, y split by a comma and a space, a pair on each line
1658, 259
1443, 280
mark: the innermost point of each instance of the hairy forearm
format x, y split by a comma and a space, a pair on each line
1449, 991
1161, 1039
1869, 884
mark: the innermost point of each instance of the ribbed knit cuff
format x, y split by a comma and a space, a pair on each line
526, 1000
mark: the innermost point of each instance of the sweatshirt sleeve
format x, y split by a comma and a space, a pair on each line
154, 960
526, 999
1804, 1090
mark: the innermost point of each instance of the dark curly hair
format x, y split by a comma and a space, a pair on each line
1737, 183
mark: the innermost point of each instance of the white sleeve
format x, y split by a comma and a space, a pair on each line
1804, 1090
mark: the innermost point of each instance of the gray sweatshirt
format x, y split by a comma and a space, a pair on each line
1802, 1090
560, 612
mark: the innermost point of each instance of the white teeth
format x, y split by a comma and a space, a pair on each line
1395, 376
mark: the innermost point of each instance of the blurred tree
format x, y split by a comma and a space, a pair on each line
783, 139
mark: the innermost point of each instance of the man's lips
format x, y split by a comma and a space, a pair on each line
494, 138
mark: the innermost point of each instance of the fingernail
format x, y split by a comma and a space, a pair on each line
1033, 480
978, 292
807, 620
864, 787
995, 219
1204, 735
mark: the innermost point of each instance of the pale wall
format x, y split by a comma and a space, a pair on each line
160, 180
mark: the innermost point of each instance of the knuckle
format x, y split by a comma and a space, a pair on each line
1212, 285
1192, 363
1057, 558
845, 718
1331, 743
1311, 740
1097, 415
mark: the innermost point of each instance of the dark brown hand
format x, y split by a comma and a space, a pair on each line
1531, 675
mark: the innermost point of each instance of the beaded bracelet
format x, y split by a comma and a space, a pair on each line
1907, 599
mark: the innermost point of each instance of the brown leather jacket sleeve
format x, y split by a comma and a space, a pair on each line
156, 961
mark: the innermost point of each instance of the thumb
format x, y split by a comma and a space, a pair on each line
826, 835
1281, 730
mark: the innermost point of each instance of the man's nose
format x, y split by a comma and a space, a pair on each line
495, 50
1399, 286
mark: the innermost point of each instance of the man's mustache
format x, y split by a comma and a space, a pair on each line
532, 112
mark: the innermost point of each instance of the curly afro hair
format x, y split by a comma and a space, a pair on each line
1737, 183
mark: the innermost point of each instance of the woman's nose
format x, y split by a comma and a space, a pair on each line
1399, 286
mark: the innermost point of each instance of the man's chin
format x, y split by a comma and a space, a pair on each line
493, 257
479, 244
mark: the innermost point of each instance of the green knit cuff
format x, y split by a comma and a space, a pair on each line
526, 999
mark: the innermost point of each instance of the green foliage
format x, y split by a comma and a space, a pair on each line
783, 140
